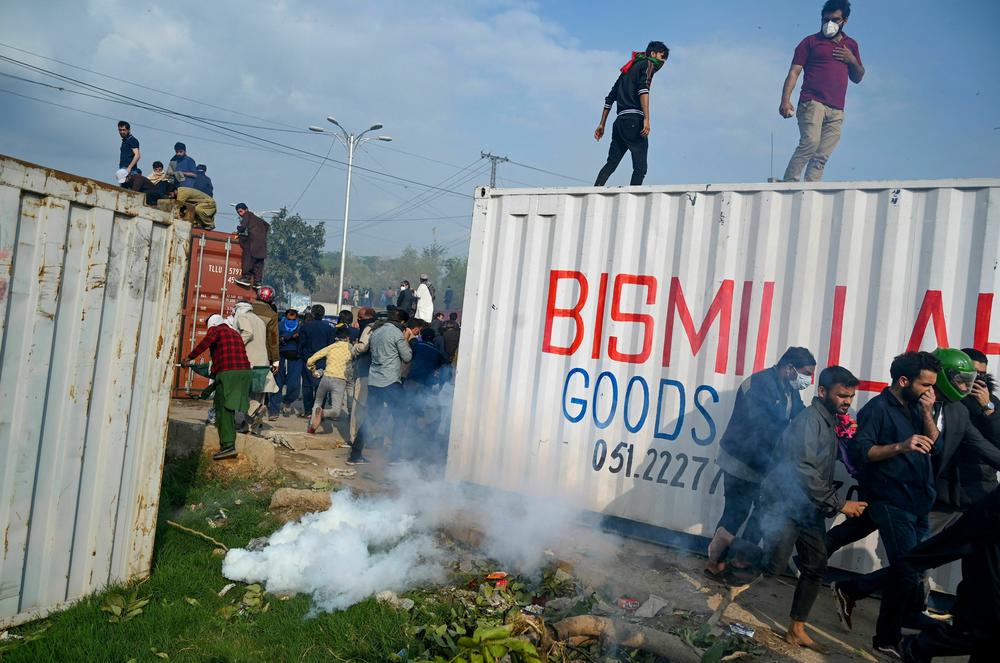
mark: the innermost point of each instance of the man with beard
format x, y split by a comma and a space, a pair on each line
799, 493
956, 432
252, 232
893, 451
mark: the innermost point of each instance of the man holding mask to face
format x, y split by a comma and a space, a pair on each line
829, 58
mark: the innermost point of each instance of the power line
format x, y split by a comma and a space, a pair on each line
547, 172
145, 87
170, 112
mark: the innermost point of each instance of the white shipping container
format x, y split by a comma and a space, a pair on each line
91, 285
606, 331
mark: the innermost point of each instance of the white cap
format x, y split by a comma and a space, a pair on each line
121, 175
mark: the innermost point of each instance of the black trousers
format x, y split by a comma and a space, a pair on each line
626, 135
904, 594
741, 498
849, 531
805, 535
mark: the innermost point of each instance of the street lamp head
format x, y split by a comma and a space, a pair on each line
319, 130
375, 127
332, 120
385, 138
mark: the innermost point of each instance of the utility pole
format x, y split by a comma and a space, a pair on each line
494, 160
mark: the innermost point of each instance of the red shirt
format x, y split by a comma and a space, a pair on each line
226, 346
825, 78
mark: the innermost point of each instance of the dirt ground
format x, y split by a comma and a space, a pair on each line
611, 565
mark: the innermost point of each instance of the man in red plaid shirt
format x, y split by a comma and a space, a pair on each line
231, 370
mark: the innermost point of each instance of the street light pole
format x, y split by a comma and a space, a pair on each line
347, 210
351, 142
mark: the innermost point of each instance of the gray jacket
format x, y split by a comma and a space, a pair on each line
389, 351
800, 484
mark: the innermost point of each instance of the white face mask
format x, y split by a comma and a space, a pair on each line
830, 29
801, 381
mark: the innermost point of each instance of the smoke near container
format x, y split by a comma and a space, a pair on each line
363, 545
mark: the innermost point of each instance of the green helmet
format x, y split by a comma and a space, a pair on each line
957, 373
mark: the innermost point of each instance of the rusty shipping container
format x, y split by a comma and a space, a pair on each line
215, 264
607, 330
91, 285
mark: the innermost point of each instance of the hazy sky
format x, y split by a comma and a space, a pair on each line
448, 79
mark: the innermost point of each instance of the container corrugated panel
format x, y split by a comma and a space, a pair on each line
211, 289
606, 331
91, 284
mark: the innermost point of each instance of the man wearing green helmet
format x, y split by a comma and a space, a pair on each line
959, 434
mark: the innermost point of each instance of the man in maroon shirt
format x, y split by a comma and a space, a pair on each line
829, 59
231, 370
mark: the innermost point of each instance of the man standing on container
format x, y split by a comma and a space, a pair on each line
630, 131
129, 157
252, 232
765, 403
830, 58
231, 371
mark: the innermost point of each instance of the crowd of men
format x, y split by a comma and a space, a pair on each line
925, 454
386, 373
183, 179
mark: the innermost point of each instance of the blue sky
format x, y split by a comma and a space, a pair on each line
527, 80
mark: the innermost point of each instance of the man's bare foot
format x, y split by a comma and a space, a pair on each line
715, 569
719, 544
796, 635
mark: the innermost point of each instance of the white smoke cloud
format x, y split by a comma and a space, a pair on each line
363, 545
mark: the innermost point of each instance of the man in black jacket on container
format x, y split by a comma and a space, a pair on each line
765, 403
631, 128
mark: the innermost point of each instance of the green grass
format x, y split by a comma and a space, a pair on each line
184, 567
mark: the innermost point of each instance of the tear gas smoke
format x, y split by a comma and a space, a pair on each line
363, 545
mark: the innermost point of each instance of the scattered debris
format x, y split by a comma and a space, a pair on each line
192, 601
256, 544
293, 503
225, 590
742, 629
195, 532
628, 604
652, 607
341, 473
7, 635
390, 599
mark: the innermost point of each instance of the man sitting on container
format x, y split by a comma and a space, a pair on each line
765, 403
182, 163
231, 371
204, 206
252, 234
829, 58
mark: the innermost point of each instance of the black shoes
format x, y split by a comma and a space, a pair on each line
845, 606
223, 454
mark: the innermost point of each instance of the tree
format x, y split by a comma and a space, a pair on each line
294, 249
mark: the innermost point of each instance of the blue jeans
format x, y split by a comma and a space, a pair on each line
384, 405
289, 378
900, 532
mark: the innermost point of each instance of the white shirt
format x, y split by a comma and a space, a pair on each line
425, 304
